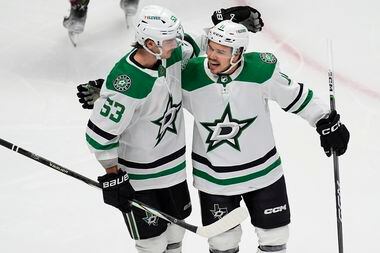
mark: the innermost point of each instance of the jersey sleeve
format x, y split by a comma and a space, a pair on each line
112, 114
196, 42
193, 46
187, 54
295, 97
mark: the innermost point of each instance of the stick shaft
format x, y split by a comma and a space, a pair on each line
91, 182
335, 157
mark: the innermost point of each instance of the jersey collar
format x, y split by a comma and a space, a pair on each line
151, 72
223, 79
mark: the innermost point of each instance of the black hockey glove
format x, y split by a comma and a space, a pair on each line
117, 190
245, 15
89, 92
333, 134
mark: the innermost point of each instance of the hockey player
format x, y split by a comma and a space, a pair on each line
88, 93
136, 132
137, 126
228, 82
75, 22
136, 129
234, 153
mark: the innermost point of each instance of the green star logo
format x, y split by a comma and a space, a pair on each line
226, 130
167, 121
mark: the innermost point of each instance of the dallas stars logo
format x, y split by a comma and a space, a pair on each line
219, 212
151, 219
167, 121
226, 130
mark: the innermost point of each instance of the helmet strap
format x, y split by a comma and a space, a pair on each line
232, 65
158, 56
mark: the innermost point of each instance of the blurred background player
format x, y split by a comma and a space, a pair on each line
75, 22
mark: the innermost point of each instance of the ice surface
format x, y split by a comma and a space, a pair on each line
42, 210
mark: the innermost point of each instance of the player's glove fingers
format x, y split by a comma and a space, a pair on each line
87, 106
343, 136
327, 152
253, 24
326, 145
340, 151
83, 100
81, 95
97, 83
82, 87
257, 20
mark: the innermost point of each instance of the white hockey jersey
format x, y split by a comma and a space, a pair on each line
234, 151
138, 120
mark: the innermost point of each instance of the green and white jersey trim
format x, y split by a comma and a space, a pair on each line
137, 123
236, 179
131, 225
164, 172
233, 133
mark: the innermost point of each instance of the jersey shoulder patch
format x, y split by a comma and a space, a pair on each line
258, 67
129, 80
194, 75
268, 58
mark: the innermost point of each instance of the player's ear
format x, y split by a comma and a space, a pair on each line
150, 44
237, 56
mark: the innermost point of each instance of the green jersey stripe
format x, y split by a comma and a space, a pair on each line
93, 143
306, 102
236, 180
167, 172
223, 169
133, 225
127, 221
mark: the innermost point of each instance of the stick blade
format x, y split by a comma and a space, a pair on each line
232, 219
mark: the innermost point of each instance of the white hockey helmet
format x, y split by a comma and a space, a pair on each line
230, 34
158, 24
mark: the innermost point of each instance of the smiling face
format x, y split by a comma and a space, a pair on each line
219, 57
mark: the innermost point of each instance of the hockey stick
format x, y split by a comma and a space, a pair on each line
335, 157
229, 221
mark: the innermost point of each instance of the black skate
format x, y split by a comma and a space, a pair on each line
130, 8
75, 22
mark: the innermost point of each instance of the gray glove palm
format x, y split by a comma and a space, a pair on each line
89, 92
